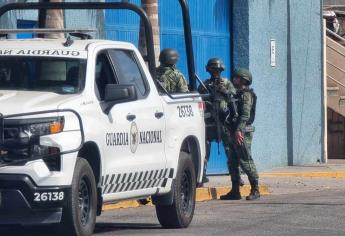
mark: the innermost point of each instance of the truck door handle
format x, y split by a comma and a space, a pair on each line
131, 117
159, 115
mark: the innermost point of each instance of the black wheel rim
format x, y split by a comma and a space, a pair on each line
186, 193
84, 200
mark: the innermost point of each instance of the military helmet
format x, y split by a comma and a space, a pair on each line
215, 64
168, 56
244, 74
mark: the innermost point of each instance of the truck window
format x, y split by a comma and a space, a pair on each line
127, 70
104, 74
58, 75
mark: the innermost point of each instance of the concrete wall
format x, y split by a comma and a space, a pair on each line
288, 121
306, 78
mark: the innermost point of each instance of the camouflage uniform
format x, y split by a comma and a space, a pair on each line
171, 79
224, 97
240, 155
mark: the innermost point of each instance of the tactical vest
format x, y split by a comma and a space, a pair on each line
253, 108
210, 112
252, 111
223, 99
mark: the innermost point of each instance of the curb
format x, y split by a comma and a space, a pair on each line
202, 194
339, 175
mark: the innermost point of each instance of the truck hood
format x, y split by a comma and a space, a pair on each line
13, 102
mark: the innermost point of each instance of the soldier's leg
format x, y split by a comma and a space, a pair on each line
229, 151
228, 142
248, 166
233, 166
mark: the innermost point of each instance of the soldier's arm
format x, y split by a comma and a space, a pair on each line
225, 87
231, 88
247, 103
160, 80
182, 84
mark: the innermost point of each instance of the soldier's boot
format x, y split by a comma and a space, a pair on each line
254, 192
234, 193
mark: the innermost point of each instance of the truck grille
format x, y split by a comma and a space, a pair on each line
11, 133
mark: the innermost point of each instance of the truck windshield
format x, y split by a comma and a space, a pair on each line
58, 75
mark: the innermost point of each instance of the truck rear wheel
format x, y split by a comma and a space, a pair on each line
79, 215
180, 213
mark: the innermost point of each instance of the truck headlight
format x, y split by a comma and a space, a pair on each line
44, 128
22, 140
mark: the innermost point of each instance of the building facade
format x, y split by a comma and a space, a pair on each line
280, 41
290, 124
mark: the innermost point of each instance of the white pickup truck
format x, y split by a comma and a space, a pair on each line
82, 123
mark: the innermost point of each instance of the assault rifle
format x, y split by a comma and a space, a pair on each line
232, 113
242, 149
216, 113
228, 115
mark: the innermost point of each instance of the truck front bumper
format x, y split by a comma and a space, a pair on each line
23, 202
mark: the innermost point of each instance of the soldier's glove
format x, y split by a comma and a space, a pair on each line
222, 89
239, 137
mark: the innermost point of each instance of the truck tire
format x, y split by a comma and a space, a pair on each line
79, 215
180, 213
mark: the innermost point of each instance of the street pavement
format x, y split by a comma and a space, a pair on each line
311, 213
306, 200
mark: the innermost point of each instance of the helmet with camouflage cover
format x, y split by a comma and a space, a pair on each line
244, 74
168, 56
215, 64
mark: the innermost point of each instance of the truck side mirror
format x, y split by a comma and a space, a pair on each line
118, 93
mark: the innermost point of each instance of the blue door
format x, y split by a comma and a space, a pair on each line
210, 21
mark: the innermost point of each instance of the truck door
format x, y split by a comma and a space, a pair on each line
135, 156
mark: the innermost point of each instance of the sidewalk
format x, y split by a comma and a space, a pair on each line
295, 179
287, 180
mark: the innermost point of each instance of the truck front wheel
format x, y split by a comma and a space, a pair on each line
79, 215
180, 213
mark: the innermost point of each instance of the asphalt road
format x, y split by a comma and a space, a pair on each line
307, 213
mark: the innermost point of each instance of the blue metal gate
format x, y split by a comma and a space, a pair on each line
122, 25
210, 21
26, 24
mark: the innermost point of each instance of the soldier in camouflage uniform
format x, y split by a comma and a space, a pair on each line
241, 133
221, 90
167, 73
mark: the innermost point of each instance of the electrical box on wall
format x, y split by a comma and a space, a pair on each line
273, 52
